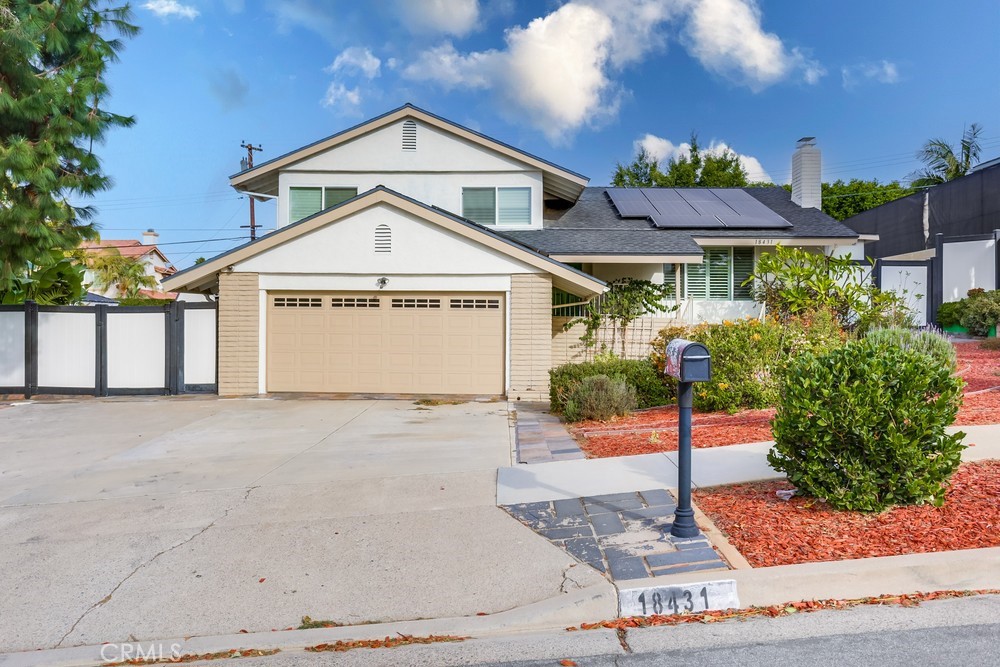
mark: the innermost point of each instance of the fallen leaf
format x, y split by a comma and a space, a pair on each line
567, 663
262, 580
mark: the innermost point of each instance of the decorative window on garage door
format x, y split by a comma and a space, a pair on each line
416, 303
354, 302
298, 302
475, 304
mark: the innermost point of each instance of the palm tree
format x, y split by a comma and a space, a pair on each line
942, 163
126, 274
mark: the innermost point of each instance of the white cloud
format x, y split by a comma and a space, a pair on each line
356, 59
661, 150
727, 37
344, 99
447, 17
561, 72
553, 69
882, 71
167, 8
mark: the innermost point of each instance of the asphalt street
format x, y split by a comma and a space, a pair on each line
958, 631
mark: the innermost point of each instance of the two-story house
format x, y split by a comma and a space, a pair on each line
412, 255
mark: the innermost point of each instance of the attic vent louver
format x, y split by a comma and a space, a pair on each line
409, 135
383, 239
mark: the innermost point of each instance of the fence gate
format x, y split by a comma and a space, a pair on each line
108, 350
912, 281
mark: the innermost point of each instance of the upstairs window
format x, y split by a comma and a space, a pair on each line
720, 277
497, 206
303, 202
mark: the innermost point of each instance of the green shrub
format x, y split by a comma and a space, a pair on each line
749, 355
863, 426
930, 343
599, 397
982, 312
651, 389
950, 314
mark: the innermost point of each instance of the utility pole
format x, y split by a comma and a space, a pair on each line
247, 163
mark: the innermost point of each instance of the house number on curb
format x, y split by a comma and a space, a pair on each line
667, 600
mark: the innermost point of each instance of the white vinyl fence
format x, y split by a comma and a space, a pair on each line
911, 281
966, 265
108, 350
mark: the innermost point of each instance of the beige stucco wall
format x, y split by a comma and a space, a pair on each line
530, 336
239, 312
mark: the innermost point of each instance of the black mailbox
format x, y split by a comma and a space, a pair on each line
688, 361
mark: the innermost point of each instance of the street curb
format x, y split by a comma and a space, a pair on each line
970, 569
598, 601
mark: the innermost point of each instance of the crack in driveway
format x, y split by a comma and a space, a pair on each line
107, 598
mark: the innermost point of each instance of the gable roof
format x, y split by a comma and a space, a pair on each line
263, 177
592, 226
125, 247
202, 276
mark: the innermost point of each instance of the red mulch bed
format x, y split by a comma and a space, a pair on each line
655, 430
770, 531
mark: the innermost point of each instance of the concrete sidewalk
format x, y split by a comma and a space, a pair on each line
559, 480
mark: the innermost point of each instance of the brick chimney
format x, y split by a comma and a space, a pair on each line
149, 237
807, 189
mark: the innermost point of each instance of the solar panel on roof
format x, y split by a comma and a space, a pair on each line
748, 212
695, 208
631, 203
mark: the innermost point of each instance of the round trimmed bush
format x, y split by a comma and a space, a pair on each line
600, 397
863, 426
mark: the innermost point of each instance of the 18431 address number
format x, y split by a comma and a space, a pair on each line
691, 598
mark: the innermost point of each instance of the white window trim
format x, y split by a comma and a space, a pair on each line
496, 200
708, 288
297, 186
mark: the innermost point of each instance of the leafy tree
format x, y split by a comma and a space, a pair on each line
126, 274
792, 281
626, 300
199, 260
53, 61
55, 280
942, 163
845, 200
695, 170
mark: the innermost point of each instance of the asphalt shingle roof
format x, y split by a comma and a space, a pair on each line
593, 226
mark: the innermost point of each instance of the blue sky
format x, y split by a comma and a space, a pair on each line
581, 83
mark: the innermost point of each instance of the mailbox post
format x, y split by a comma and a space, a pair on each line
689, 362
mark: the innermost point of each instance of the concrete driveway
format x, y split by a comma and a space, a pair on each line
159, 518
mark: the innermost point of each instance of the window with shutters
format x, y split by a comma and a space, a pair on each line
303, 202
497, 206
409, 135
720, 277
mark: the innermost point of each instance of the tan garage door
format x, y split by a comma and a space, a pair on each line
385, 343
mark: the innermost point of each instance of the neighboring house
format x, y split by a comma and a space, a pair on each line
145, 251
413, 255
906, 228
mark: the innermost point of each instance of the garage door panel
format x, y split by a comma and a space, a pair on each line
386, 343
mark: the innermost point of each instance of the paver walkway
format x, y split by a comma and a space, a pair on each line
541, 437
625, 534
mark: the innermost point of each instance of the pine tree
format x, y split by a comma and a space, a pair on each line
53, 61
